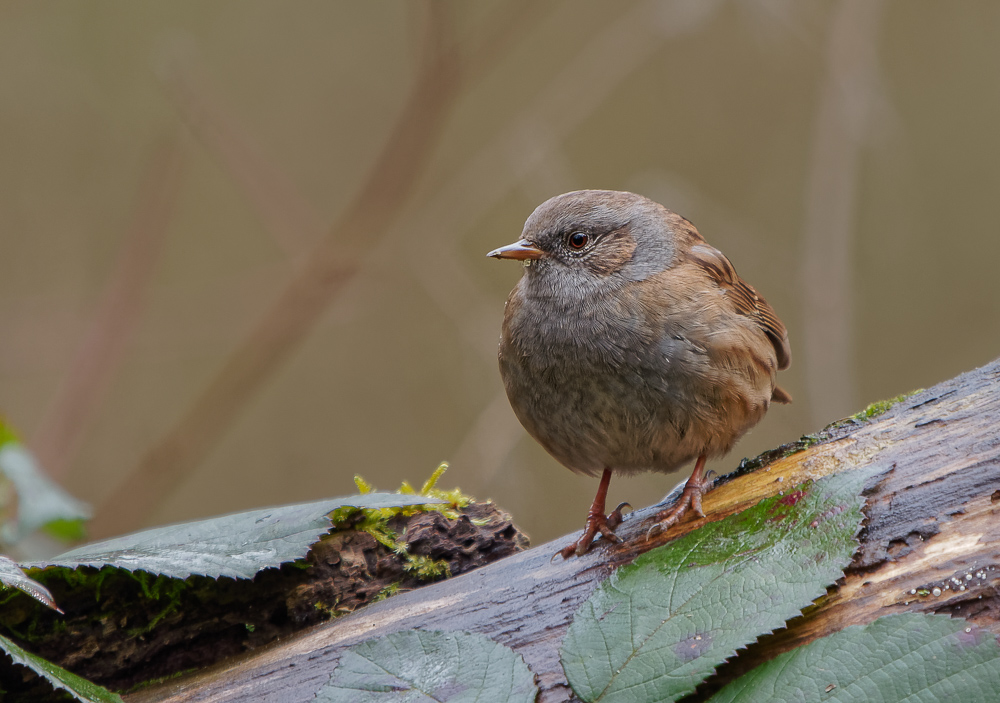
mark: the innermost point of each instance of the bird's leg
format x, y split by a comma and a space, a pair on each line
597, 521
690, 498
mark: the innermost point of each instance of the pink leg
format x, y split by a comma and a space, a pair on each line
690, 498
597, 522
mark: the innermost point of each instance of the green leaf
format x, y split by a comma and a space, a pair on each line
40, 500
237, 545
7, 434
79, 688
12, 577
656, 628
66, 530
906, 657
436, 667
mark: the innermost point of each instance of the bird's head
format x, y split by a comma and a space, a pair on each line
592, 239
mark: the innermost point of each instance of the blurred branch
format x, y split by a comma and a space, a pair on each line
57, 438
285, 213
293, 314
844, 115
509, 22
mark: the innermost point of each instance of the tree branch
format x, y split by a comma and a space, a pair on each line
931, 519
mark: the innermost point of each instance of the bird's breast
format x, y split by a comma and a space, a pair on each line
600, 329
611, 383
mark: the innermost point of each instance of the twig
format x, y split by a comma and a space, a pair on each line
57, 438
288, 217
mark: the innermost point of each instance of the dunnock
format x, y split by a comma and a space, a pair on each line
630, 344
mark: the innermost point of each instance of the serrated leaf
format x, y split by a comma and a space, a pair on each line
421, 666
237, 545
40, 500
906, 657
12, 576
79, 688
656, 628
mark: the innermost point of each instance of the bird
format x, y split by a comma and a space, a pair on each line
630, 344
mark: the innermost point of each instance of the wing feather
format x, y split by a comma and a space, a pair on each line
744, 297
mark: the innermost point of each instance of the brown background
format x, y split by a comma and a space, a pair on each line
845, 155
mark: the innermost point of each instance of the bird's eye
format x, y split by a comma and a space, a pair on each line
578, 240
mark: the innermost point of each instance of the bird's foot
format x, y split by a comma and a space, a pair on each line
690, 498
597, 524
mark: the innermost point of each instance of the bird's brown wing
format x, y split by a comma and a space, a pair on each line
747, 302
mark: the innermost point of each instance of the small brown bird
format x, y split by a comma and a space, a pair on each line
630, 344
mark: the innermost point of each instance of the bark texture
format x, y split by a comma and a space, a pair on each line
122, 629
931, 543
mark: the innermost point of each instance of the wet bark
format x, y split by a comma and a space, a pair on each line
931, 543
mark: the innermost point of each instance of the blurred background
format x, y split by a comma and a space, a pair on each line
242, 244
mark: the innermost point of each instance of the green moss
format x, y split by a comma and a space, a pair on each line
86, 577
330, 610
881, 406
7, 594
387, 592
376, 521
453, 499
161, 597
425, 568
158, 588
163, 593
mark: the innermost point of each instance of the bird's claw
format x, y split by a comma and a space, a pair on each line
597, 524
690, 498
615, 518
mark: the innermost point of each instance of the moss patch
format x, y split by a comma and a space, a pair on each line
122, 627
880, 407
376, 522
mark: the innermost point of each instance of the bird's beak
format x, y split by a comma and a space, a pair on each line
521, 250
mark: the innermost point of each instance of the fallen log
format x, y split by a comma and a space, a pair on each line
930, 544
